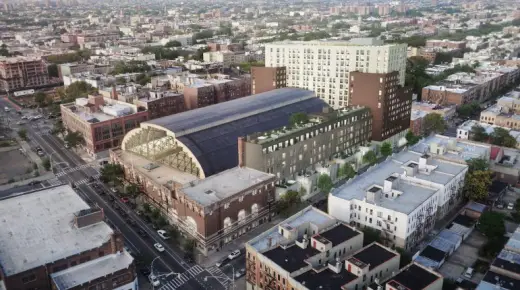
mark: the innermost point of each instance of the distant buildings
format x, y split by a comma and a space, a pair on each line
18, 73
446, 44
325, 66
52, 239
312, 250
505, 113
103, 122
161, 103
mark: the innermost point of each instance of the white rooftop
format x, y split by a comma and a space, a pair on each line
37, 228
457, 150
224, 184
86, 272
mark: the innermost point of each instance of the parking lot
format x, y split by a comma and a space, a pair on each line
18, 164
465, 256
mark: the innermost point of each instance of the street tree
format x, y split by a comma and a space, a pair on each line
501, 137
477, 164
287, 201
347, 171
298, 118
370, 157
173, 43
59, 128
113, 173
478, 133
434, 123
189, 249
411, 138
386, 149
491, 224
325, 183
46, 163
132, 190
22, 133
40, 98
476, 186
74, 139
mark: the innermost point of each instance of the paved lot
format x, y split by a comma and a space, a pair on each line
14, 164
465, 256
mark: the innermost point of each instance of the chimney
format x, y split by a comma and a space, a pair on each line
241, 151
114, 93
87, 217
423, 161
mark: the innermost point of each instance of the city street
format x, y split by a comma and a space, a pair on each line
176, 273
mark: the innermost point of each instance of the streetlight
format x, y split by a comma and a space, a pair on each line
226, 277
165, 275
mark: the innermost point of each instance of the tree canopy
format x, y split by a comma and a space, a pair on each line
491, 224
298, 118
76, 90
74, 139
346, 170
132, 66
386, 149
325, 183
434, 123
468, 110
501, 137
478, 133
112, 173
173, 43
476, 185
477, 164
370, 157
40, 98
411, 138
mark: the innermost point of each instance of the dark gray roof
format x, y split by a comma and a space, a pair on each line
211, 133
230, 110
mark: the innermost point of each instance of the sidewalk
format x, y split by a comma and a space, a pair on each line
46, 176
238, 243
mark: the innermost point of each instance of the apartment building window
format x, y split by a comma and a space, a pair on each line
226, 205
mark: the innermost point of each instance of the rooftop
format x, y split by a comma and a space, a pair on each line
339, 234
37, 228
89, 271
327, 279
225, 184
491, 279
414, 277
456, 150
433, 254
374, 255
291, 259
508, 260
464, 220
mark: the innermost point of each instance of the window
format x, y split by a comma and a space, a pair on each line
84, 259
240, 199
226, 206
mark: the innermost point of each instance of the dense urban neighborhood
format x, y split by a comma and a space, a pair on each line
260, 145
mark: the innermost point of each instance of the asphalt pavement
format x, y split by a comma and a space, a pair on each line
177, 273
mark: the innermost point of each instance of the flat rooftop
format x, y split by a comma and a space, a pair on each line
292, 258
37, 228
225, 184
325, 279
161, 174
339, 234
433, 254
373, 255
413, 277
89, 271
508, 260
309, 215
462, 150
491, 278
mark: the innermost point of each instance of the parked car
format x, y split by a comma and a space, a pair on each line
34, 182
40, 153
142, 233
510, 206
222, 262
25, 117
500, 206
154, 280
145, 271
469, 273
234, 254
163, 234
124, 199
113, 189
240, 273
159, 247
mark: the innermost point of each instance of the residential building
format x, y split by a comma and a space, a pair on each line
98, 37
412, 277
505, 113
290, 151
184, 40
403, 196
102, 122
161, 103
225, 57
450, 44
311, 250
388, 101
69, 69
417, 122
200, 92
20, 72
264, 79
225, 46
52, 239
206, 139
462, 88
324, 66
447, 112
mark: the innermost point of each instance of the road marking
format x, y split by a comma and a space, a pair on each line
220, 276
183, 278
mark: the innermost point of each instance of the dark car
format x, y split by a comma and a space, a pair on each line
34, 182
145, 271
111, 198
142, 233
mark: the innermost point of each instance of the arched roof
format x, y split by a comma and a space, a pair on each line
211, 133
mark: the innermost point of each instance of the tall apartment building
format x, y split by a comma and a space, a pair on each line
264, 79
22, 72
389, 102
102, 122
52, 239
288, 152
405, 195
324, 66
312, 250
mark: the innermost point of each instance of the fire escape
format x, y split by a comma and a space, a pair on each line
419, 229
387, 231
270, 281
251, 271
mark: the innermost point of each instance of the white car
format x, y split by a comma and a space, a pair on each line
159, 247
154, 280
510, 206
25, 117
163, 234
234, 254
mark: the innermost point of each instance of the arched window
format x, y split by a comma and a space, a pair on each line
227, 222
242, 215
254, 209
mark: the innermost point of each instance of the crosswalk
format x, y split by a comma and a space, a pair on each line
70, 170
86, 180
219, 275
183, 278
54, 181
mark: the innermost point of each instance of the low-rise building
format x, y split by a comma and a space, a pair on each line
100, 37
435, 43
404, 195
289, 151
69, 69
225, 57
102, 122
52, 239
412, 277
311, 250
446, 111
161, 103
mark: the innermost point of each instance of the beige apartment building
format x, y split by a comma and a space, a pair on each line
505, 113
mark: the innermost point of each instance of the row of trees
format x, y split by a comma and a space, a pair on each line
499, 136
132, 66
76, 90
80, 55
